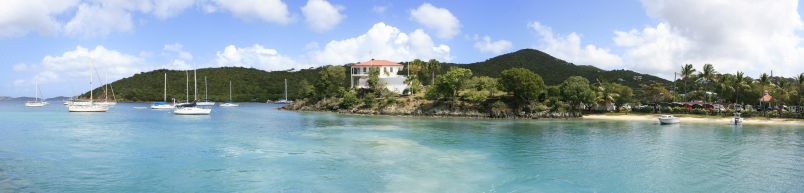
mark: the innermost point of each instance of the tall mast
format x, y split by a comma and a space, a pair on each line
105, 90
36, 94
92, 66
286, 89
164, 96
187, 85
206, 97
195, 85
230, 91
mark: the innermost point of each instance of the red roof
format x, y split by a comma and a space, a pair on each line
374, 62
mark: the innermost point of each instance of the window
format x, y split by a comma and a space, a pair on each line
364, 69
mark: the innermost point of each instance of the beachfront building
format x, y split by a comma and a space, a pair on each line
389, 75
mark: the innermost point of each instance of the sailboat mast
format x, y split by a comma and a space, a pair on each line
36, 94
230, 91
164, 95
206, 97
187, 85
92, 66
286, 89
195, 85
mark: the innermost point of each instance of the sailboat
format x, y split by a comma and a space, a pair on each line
37, 102
229, 102
206, 101
284, 101
87, 105
191, 108
106, 95
163, 104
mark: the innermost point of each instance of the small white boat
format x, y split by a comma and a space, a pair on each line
229, 103
737, 118
205, 103
284, 101
669, 119
191, 109
37, 102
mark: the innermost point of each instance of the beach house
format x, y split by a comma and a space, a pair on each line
389, 75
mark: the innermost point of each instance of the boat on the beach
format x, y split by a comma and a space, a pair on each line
737, 118
669, 119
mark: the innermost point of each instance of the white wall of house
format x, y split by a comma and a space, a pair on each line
388, 76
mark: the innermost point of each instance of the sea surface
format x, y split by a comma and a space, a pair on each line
256, 148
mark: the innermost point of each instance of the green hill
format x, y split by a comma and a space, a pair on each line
258, 85
554, 70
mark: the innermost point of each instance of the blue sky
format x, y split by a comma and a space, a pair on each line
54, 42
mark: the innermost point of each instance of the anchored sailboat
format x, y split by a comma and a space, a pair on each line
229, 102
37, 102
284, 101
191, 108
206, 101
163, 104
87, 105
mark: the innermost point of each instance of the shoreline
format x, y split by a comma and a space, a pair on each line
725, 120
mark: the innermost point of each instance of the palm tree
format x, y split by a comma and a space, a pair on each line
708, 74
738, 82
686, 71
764, 80
433, 65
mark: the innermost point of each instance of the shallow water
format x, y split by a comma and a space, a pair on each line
255, 148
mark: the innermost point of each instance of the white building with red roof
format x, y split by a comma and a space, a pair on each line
389, 75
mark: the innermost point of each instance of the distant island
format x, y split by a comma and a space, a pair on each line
524, 84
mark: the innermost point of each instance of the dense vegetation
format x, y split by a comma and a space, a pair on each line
257, 85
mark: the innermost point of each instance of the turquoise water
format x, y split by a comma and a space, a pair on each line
255, 148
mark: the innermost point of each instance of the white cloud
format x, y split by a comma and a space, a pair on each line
20, 17
274, 11
178, 49
569, 48
322, 16
381, 42
78, 63
441, 20
255, 56
485, 45
93, 20
168, 8
750, 36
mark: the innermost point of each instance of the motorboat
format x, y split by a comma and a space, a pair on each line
737, 118
669, 119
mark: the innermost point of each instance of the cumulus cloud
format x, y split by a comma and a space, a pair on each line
168, 8
321, 15
272, 11
20, 17
78, 63
750, 36
569, 48
99, 19
486, 45
441, 20
255, 56
382, 42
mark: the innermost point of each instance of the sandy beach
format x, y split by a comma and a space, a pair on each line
752, 121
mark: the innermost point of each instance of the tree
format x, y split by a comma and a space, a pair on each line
687, 72
522, 83
375, 86
800, 81
576, 90
483, 83
450, 83
413, 70
433, 66
330, 80
306, 90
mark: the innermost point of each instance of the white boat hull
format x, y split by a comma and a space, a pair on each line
35, 104
230, 105
667, 121
205, 103
191, 111
165, 106
107, 103
88, 108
